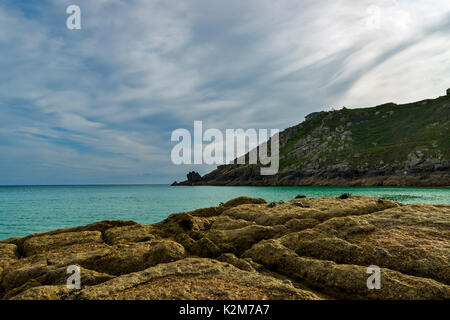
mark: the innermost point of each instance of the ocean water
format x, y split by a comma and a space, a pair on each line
31, 209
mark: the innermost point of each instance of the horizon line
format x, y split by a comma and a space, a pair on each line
84, 185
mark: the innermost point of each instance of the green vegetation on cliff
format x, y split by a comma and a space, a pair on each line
386, 145
369, 137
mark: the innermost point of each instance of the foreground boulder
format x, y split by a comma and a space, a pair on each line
305, 248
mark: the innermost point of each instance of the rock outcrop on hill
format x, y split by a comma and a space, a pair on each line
388, 145
306, 248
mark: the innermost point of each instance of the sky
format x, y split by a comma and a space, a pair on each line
98, 105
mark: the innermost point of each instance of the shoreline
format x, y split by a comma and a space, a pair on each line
245, 248
150, 204
419, 180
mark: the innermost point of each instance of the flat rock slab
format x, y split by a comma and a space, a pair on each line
195, 278
44, 243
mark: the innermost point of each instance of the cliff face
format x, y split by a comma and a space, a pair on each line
392, 145
244, 249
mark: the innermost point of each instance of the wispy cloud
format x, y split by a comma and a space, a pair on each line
98, 105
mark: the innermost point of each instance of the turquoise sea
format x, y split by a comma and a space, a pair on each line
31, 209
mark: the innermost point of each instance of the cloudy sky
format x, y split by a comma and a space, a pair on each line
98, 105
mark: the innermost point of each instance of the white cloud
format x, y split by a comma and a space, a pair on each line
103, 100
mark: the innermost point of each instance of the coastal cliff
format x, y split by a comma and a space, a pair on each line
306, 248
387, 145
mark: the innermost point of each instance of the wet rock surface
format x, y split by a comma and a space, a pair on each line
306, 248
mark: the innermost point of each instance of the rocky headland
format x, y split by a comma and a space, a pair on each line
387, 145
306, 249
